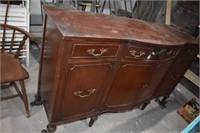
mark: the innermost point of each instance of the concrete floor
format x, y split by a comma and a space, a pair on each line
151, 120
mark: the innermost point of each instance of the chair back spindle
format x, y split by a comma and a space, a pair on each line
3, 39
13, 39
21, 44
6, 15
5, 21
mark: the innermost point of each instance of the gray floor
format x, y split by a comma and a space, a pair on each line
151, 120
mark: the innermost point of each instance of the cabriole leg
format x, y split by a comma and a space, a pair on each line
92, 120
37, 101
51, 128
162, 102
144, 105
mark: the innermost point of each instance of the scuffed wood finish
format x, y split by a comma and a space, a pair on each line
95, 63
90, 25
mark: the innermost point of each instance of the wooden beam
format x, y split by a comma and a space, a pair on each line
192, 77
168, 12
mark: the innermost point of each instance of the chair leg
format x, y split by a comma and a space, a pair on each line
24, 99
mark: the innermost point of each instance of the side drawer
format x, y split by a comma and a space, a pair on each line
95, 51
138, 52
189, 51
151, 53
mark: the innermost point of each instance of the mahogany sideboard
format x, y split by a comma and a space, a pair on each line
95, 63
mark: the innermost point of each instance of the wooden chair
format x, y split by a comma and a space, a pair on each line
12, 40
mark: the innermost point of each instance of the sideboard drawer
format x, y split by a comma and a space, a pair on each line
151, 53
162, 53
189, 51
95, 50
138, 52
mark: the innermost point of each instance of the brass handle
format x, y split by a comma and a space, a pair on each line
78, 93
144, 86
136, 54
160, 53
102, 50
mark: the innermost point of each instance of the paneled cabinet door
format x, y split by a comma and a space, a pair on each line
135, 83
174, 76
176, 71
148, 89
130, 79
83, 89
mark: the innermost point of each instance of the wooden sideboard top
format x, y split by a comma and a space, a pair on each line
79, 24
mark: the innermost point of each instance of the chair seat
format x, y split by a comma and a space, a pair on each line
11, 69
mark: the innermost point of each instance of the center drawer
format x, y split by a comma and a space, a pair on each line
95, 50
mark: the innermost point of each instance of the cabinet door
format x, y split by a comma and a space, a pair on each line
148, 89
176, 71
173, 77
135, 83
84, 87
130, 79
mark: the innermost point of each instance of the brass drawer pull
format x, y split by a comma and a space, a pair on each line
160, 53
78, 93
102, 50
144, 86
136, 54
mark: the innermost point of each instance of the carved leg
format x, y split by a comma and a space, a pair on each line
24, 98
92, 120
162, 102
37, 101
51, 128
144, 105
44, 131
159, 102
